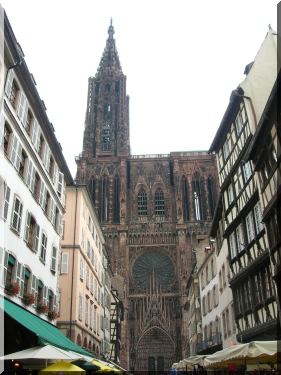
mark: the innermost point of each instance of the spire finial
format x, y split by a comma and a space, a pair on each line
110, 30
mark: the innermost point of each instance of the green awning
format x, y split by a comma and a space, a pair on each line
47, 333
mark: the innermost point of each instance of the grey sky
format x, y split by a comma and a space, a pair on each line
182, 59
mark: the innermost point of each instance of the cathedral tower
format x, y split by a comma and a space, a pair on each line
153, 210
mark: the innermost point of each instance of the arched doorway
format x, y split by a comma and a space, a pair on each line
155, 352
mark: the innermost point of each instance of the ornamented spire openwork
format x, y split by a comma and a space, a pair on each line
110, 60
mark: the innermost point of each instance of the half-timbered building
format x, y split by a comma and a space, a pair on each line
248, 246
265, 152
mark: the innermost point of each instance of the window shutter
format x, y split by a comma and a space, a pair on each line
64, 263
30, 176
34, 287
15, 153
9, 82
42, 197
27, 225
3, 267
54, 259
7, 193
36, 239
46, 159
22, 108
19, 273
45, 293
60, 185
55, 176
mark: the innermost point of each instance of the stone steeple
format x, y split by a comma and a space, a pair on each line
110, 60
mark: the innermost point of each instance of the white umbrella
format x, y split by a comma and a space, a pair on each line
252, 352
44, 352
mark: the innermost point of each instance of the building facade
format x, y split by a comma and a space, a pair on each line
209, 294
32, 183
83, 316
264, 151
153, 210
252, 285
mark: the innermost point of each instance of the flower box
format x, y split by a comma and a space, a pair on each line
28, 299
12, 288
52, 314
41, 308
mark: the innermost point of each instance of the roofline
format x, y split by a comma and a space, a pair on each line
45, 123
234, 101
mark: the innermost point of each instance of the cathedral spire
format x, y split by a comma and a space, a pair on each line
110, 60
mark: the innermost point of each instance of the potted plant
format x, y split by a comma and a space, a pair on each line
41, 307
12, 288
28, 299
52, 314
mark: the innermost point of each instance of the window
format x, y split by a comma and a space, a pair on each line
22, 164
64, 263
54, 259
226, 150
14, 94
9, 269
230, 194
32, 229
7, 138
80, 307
197, 207
239, 123
86, 311
51, 167
17, 215
29, 121
43, 247
81, 269
5, 208
41, 146
240, 237
16, 153
250, 228
232, 245
142, 203
185, 199
26, 281
51, 300
37, 186
159, 203
258, 217
247, 171
212, 268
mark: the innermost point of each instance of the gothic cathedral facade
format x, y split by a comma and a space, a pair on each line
153, 210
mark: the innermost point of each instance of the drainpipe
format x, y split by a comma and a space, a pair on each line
73, 249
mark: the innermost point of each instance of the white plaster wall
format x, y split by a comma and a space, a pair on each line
261, 78
15, 244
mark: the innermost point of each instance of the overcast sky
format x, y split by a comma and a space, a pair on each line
182, 59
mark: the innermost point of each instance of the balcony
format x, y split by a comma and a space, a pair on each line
210, 345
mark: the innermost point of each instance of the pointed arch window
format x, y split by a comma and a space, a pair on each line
142, 203
159, 203
185, 199
211, 194
103, 199
116, 200
198, 197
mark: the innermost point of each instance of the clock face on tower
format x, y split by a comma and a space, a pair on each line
153, 264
